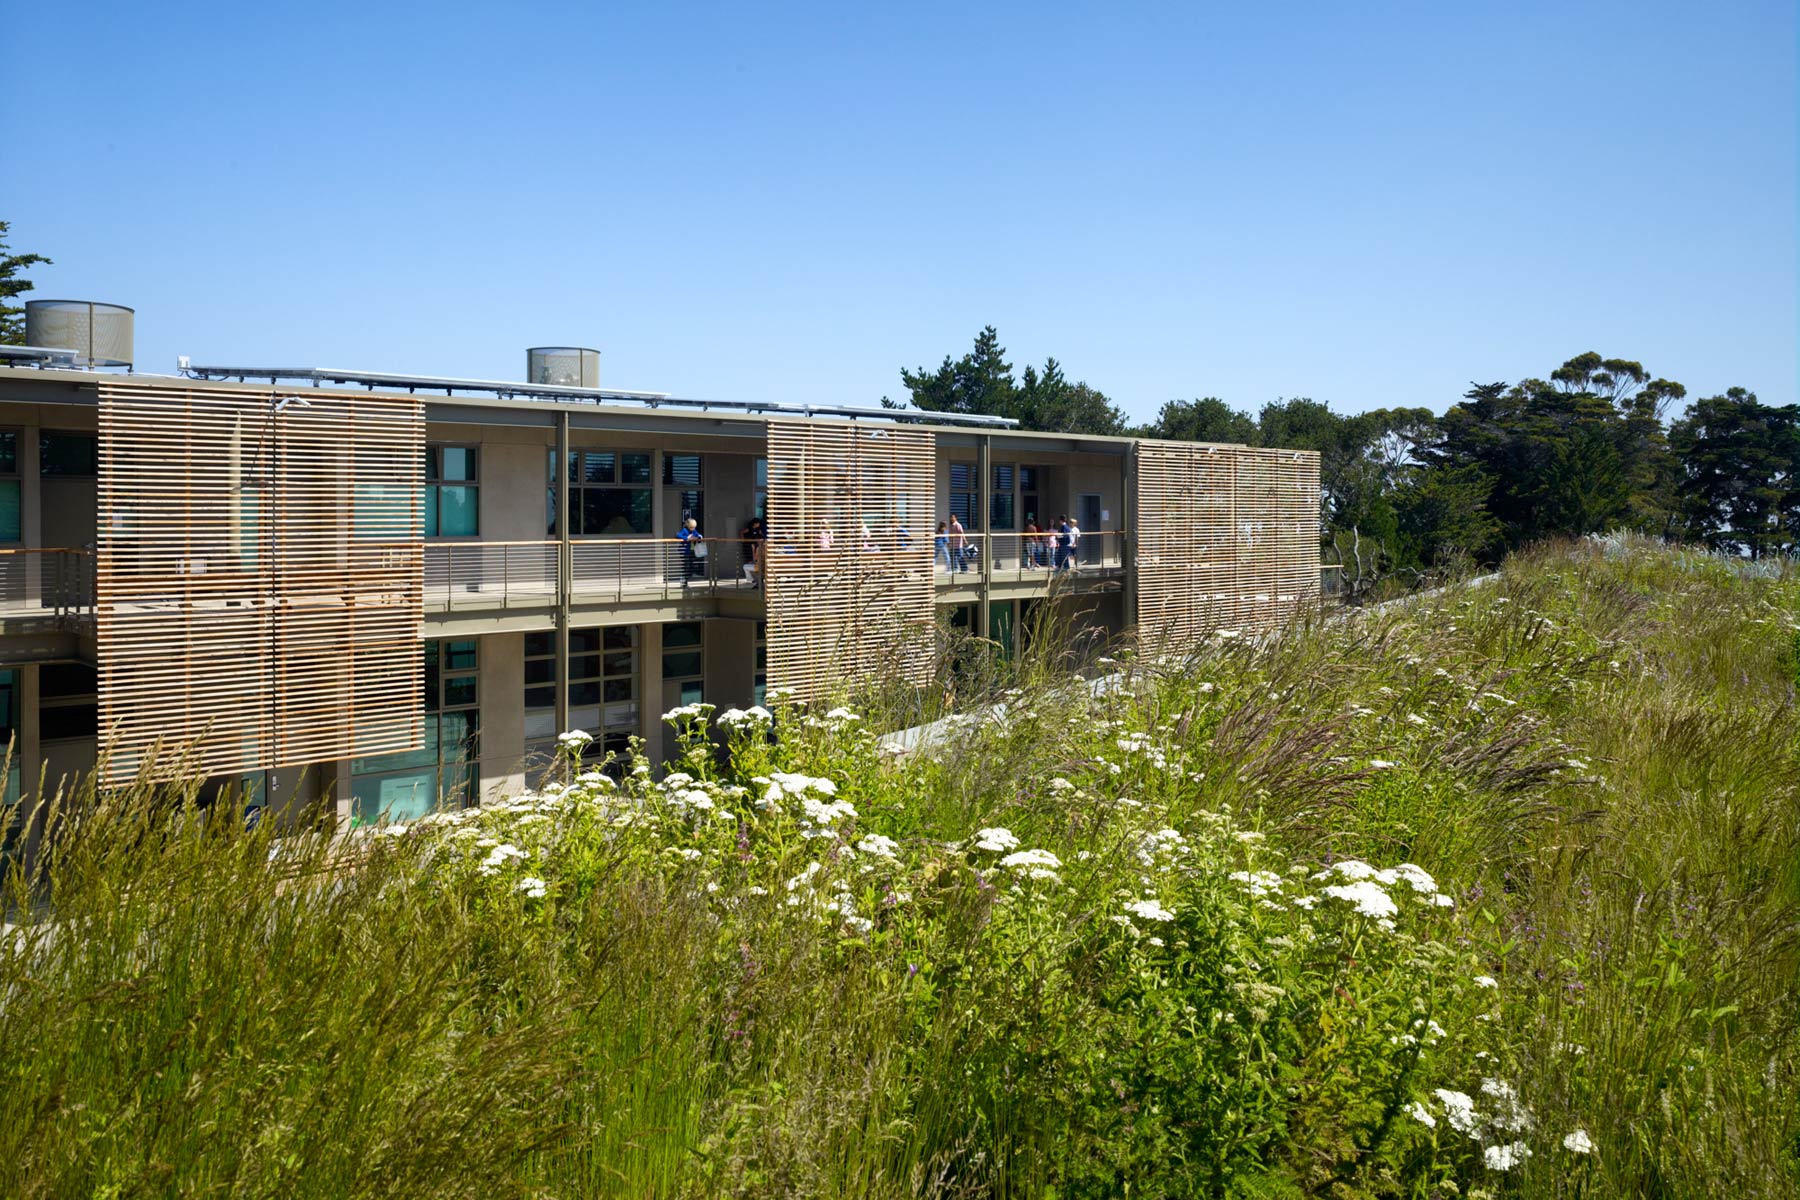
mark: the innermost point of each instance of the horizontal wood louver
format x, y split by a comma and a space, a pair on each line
258, 576
1227, 538
849, 560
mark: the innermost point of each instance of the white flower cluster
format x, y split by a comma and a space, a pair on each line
1035, 864
745, 719
996, 840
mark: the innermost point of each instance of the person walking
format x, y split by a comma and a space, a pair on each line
959, 544
693, 551
1074, 558
1031, 542
943, 546
1060, 539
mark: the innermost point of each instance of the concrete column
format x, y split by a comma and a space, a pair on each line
31, 515
503, 715
650, 690
984, 490
1128, 589
565, 568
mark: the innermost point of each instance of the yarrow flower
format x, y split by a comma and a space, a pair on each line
1421, 1114
574, 741
997, 840
1459, 1110
1579, 1142
1257, 883
1150, 910
532, 886
1486, 981
878, 845
1037, 864
1368, 897
1505, 1158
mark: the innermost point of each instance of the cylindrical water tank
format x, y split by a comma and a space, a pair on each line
99, 334
563, 366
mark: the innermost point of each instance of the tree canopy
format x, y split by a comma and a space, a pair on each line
981, 381
12, 284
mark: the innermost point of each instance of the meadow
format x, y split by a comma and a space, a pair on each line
1493, 892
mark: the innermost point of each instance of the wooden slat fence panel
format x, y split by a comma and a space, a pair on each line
848, 565
1227, 538
258, 576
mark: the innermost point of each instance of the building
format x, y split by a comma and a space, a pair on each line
383, 589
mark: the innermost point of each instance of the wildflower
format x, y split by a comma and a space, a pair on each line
738, 718
1505, 1158
532, 886
1443, 901
1350, 868
1416, 719
1486, 981
1509, 1114
695, 798
687, 712
1248, 836
1305, 901
1579, 1142
1153, 941
842, 715
1031, 858
1257, 883
1059, 784
1368, 897
391, 831
574, 741
878, 845
1417, 877
1421, 1114
1150, 910
689, 853
1381, 764
805, 876
1459, 1110
996, 840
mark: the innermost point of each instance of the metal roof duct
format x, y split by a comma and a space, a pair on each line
564, 366
99, 335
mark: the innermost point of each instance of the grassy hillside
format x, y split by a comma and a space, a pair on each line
1491, 892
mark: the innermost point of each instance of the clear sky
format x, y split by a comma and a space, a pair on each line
1366, 204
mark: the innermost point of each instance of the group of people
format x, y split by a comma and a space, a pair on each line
1051, 548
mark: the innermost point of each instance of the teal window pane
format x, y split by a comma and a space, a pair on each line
599, 467
691, 693
431, 509
686, 633
460, 463
621, 637
459, 691
9, 453
634, 468
459, 656
405, 797
459, 511
10, 529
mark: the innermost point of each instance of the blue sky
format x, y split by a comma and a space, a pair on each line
1366, 204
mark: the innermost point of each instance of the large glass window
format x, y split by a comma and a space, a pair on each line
68, 707
10, 528
452, 491
443, 771
1029, 503
762, 661
603, 671
682, 472
67, 453
610, 493
9, 731
684, 659
965, 501
1000, 508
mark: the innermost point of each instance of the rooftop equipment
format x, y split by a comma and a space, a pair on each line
319, 376
563, 366
97, 335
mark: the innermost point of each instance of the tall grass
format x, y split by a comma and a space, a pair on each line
612, 990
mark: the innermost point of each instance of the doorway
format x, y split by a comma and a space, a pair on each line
1092, 549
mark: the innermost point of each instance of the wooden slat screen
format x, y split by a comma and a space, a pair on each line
849, 585
1227, 538
258, 576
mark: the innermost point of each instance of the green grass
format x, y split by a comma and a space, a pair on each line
1596, 757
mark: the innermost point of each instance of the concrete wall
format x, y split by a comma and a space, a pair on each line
502, 693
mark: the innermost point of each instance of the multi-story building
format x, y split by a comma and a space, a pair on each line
387, 589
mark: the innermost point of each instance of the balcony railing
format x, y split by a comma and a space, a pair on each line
524, 574
38, 582
1030, 557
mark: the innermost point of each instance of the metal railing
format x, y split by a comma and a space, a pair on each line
47, 582
1029, 556
477, 574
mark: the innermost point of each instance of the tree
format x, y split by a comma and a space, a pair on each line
12, 316
1205, 420
981, 381
1740, 473
1442, 515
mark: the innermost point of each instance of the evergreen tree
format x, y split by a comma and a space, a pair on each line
1740, 473
12, 316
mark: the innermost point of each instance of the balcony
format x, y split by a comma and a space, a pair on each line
54, 586
503, 575
1032, 558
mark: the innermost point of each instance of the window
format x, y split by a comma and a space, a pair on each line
762, 488
410, 784
762, 661
603, 670
9, 731
452, 491
684, 658
67, 704
1029, 503
609, 493
682, 471
1000, 510
67, 454
1000, 626
10, 528
965, 505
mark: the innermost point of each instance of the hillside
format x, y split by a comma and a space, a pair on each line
1490, 891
